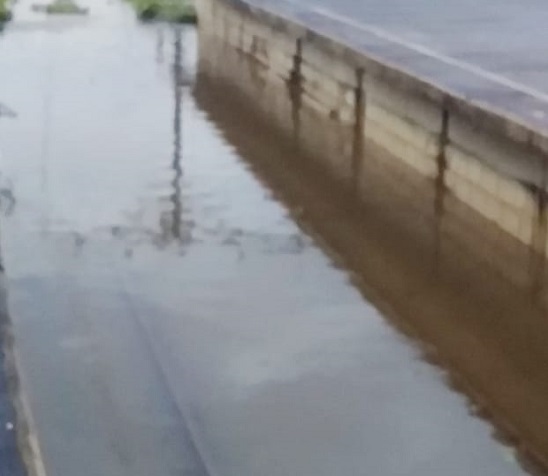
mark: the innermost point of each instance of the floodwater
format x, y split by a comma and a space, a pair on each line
175, 310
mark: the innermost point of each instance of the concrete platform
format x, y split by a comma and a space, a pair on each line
489, 54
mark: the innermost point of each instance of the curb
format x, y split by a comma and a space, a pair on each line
28, 446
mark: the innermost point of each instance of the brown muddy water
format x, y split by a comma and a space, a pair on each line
189, 299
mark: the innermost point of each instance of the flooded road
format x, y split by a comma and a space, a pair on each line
173, 314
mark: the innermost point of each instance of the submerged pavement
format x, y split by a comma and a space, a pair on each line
172, 316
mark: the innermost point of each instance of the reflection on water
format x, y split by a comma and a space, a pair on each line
166, 276
7, 197
489, 332
177, 133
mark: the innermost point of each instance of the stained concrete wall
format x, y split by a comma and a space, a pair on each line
354, 114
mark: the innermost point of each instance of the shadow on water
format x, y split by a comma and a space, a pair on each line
487, 331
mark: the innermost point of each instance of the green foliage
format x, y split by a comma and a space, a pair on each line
5, 13
178, 11
65, 7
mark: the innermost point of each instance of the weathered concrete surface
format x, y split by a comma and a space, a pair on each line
172, 316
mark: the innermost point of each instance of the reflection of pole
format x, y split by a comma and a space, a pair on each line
177, 123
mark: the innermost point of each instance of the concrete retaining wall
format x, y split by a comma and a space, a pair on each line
349, 110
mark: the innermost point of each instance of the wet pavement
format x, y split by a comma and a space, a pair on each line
173, 317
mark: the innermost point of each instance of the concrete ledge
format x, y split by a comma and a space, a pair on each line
482, 100
19, 447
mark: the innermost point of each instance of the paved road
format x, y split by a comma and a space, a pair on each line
491, 53
508, 37
172, 317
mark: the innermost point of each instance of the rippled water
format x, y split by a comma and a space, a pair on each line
172, 316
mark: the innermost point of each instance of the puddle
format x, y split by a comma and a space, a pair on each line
174, 310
